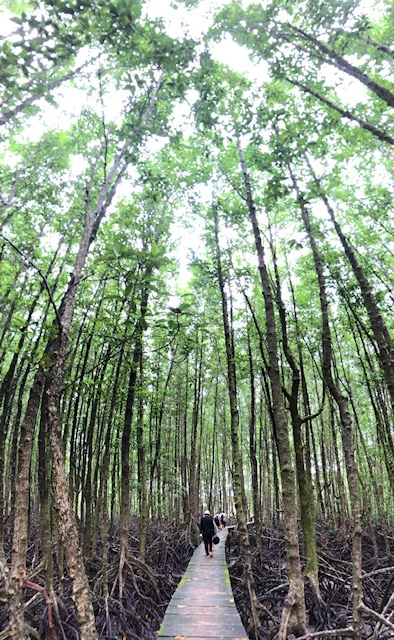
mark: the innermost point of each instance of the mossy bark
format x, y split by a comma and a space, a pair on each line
305, 493
345, 418
294, 616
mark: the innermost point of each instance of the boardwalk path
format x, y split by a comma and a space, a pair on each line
202, 607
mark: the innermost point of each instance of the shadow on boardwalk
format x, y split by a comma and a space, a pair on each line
202, 607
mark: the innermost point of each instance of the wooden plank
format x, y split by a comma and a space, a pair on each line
202, 607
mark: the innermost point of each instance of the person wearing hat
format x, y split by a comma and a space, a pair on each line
207, 529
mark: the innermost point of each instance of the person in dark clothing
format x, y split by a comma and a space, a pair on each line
217, 521
223, 520
207, 529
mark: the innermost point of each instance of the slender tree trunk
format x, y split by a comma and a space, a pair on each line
155, 466
238, 478
81, 369
380, 331
87, 496
53, 375
168, 458
225, 501
193, 484
8, 386
294, 612
345, 418
20, 530
334, 58
142, 475
126, 437
211, 463
381, 417
345, 113
253, 455
6, 394
185, 446
306, 497
311, 437
103, 505
45, 492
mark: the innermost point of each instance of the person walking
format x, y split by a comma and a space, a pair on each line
207, 529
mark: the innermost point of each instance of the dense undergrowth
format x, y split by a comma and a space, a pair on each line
335, 578
149, 586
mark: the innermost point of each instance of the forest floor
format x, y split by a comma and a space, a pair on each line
335, 579
148, 588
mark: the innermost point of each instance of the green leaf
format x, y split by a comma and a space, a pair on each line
155, 250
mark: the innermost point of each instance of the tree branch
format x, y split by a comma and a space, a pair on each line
331, 633
376, 615
31, 263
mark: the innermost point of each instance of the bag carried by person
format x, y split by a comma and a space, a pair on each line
216, 540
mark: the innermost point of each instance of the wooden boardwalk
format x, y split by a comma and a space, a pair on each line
202, 607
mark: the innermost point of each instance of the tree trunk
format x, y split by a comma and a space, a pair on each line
380, 331
51, 372
126, 436
345, 418
87, 495
184, 456
142, 475
345, 113
306, 497
294, 613
45, 492
193, 482
238, 478
334, 58
155, 466
211, 463
253, 456
21, 510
